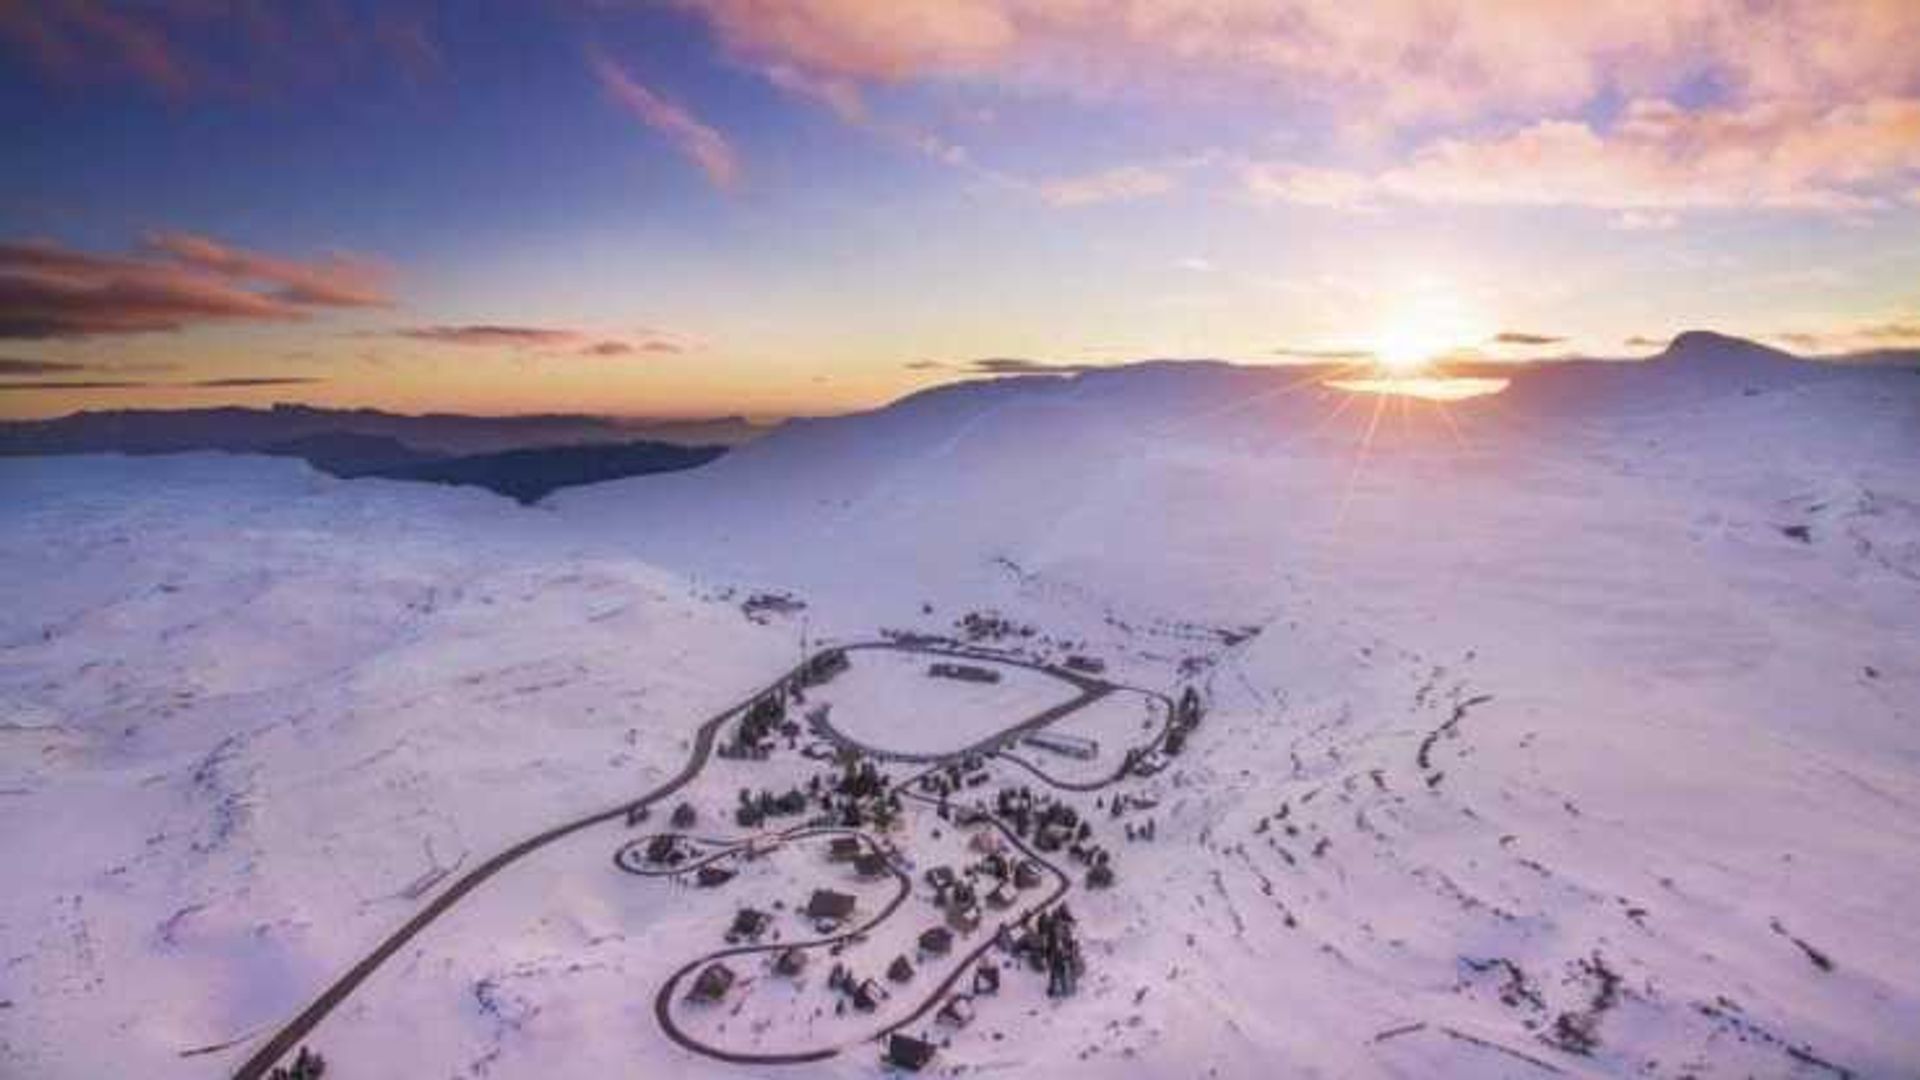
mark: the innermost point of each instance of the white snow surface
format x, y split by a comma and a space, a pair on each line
1604, 687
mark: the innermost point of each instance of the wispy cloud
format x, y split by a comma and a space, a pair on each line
697, 141
48, 290
548, 339
336, 280
1340, 355
228, 382
1521, 337
1125, 183
14, 366
494, 335
254, 380
1013, 365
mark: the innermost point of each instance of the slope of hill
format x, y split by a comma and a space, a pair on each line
1568, 731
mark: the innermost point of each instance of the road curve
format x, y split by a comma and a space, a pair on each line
296, 1031
663, 1001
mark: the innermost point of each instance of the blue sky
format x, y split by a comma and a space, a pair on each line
736, 205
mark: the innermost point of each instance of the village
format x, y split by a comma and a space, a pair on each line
878, 894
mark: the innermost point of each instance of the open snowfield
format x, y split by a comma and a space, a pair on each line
1572, 730
888, 701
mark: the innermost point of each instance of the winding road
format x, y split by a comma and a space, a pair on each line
296, 1031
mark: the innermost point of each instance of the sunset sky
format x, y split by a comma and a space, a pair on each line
719, 206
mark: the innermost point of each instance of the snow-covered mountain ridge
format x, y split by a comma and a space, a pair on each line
1574, 729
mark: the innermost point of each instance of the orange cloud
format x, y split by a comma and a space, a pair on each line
701, 144
48, 290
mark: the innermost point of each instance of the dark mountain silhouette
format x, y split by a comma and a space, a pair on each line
163, 431
522, 457
344, 453
1722, 351
529, 474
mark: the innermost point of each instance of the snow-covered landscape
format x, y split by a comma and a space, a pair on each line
1573, 729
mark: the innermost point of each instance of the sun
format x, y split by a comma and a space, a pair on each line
1428, 323
1405, 348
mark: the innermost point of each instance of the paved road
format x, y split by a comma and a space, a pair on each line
663, 1001
296, 1031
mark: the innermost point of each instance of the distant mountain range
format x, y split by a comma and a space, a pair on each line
523, 457
164, 431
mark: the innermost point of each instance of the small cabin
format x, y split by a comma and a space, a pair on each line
664, 848
963, 672
936, 941
1026, 874
830, 905
790, 962
963, 919
986, 979
748, 925
957, 1012
909, 1053
712, 983
712, 877
901, 970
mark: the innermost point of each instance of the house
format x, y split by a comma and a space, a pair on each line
683, 816
712, 983
1100, 877
664, 848
872, 865
1086, 665
963, 920
907, 1052
940, 878
957, 1012
867, 995
985, 842
936, 941
1001, 897
790, 962
843, 849
963, 672
748, 925
900, 970
710, 877
1026, 874
1059, 742
986, 979
830, 905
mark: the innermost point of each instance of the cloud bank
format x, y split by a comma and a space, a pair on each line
48, 290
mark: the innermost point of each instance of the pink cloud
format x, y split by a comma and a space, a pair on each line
700, 143
335, 281
1657, 158
1418, 60
49, 290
